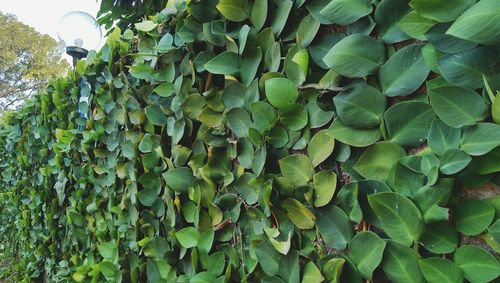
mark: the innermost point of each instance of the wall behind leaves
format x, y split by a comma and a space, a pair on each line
265, 141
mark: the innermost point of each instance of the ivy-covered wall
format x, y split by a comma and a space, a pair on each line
264, 141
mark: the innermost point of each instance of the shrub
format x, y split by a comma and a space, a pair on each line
276, 141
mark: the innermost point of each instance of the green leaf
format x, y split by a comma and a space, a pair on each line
453, 161
495, 110
441, 10
333, 269
302, 217
400, 264
353, 136
477, 264
234, 10
366, 250
165, 89
487, 163
467, 68
377, 160
480, 23
408, 122
188, 237
155, 115
325, 184
179, 179
398, 216
259, 13
311, 273
416, 25
307, 30
440, 237
226, 63
146, 26
446, 43
356, 56
404, 72
281, 16
239, 121
297, 168
281, 92
334, 226
437, 269
263, 115
457, 106
293, 116
387, 14
360, 107
480, 139
320, 147
278, 137
473, 216
345, 12
442, 137
268, 257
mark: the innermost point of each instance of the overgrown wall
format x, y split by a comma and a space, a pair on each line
270, 141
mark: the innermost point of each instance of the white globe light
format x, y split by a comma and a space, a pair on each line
79, 30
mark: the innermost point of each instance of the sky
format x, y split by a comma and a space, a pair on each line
44, 15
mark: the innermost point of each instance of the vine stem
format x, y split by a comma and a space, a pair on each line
318, 86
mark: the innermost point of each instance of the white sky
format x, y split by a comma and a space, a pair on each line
44, 15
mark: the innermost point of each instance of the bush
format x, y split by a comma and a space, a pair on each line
279, 141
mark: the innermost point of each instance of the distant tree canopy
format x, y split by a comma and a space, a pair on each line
27, 61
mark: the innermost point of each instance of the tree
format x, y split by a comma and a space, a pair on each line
27, 62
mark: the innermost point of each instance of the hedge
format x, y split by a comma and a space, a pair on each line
264, 141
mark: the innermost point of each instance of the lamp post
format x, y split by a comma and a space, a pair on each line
80, 32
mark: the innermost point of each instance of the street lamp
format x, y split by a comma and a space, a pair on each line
80, 33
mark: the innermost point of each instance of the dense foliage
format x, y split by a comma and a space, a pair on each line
271, 141
28, 60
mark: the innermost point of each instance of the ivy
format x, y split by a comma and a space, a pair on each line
273, 141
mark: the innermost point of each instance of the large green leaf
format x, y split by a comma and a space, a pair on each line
281, 92
188, 237
387, 14
480, 23
356, 56
155, 115
408, 122
480, 139
436, 269
239, 121
344, 12
441, 10
293, 116
440, 237
467, 68
400, 263
404, 72
416, 25
320, 147
263, 115
457, 106
473, 216
442, 137
179, 179
297, 168
398, 216
334, 226
312, 274
353, 136
477, 264
302, 217
366, 250
233, 10
226, 63
377, 160
325, 184
453, 161
360, 107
